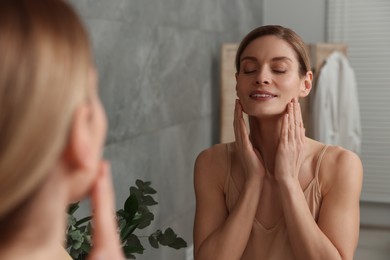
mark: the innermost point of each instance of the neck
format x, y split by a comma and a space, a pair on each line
37, 227
265, 136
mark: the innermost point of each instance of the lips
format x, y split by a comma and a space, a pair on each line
261, 95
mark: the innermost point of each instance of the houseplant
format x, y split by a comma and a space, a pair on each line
135, 214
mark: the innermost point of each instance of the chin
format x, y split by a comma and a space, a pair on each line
266, 113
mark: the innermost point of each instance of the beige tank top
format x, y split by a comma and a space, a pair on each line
272, 243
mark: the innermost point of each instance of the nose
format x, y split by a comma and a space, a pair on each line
263, 78
262, 82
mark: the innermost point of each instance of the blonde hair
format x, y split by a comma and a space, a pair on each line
44, 62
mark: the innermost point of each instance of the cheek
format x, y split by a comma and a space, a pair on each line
292, 86
103, 121
240, 88
99, 129
239, 93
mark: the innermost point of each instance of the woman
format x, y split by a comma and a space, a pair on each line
274, 193
52, 131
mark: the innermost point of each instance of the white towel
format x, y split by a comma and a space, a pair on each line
335, 106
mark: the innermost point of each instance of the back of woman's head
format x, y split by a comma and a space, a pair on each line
44, 63
283, 33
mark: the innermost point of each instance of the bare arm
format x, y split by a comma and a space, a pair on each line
336, 234
217, 234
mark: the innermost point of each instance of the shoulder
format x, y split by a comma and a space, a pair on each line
340, 168
211, 165
215, 157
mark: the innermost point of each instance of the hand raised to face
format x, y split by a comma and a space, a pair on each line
106, 243
289, 155
250, 157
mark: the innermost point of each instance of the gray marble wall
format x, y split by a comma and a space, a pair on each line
158, 63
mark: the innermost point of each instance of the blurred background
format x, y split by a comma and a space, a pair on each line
159, 71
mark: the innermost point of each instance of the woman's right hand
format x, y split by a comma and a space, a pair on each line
250, 157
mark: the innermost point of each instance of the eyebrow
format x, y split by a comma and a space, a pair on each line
282, 58
278, 58
248, 58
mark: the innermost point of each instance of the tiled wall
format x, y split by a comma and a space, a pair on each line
159, 78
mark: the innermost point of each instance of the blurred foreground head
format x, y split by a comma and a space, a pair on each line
45, 60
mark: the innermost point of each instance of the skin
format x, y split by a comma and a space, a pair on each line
272, 166
79, 172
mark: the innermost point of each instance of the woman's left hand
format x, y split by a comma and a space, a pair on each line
106, 242
290, 152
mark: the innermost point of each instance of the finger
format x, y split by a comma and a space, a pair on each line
285, 129
291, 122
102, 199
242, 126
298, 113
241, 131
298, 119
236, 124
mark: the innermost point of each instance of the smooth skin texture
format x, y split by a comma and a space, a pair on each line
272, 166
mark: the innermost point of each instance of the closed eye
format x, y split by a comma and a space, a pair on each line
279, 71
249, 71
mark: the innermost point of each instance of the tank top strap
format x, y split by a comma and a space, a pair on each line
319, 160
229, 166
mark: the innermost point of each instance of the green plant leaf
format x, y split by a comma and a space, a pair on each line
153, 241
178, 243
121, 213
82, 221
135, 214
156, 233
145, 187
73, 207
134, 245
131, 205
140, 184
77, 244
71, 221
167, 237
126, 231
76, 235
128, 251
148, 201
121, 224
74, 254
139, 218
137, 192
86, 247
147, 219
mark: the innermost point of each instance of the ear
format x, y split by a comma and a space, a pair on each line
78, 155
306, 84
78, 150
